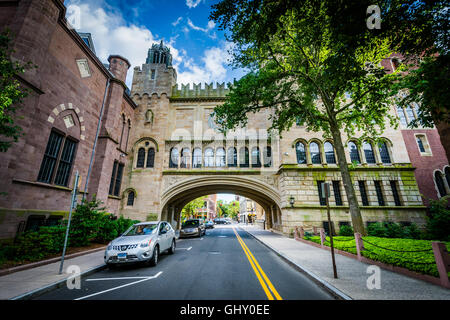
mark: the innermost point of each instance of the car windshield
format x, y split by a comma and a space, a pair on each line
141, 230
190, 223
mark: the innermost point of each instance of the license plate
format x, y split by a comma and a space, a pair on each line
121, 255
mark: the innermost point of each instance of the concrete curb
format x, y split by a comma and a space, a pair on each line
322, 283
45, 262
58, 284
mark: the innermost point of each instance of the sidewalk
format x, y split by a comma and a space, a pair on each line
44, 277
352, 274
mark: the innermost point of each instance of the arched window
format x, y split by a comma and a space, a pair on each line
220, 157
256, 159
130, 199
329, 152
267, 155
197, 158
173, 160
301, 152
185, 158
151, 158
244, 157
209, 157
440, 183
384, 152
232, 157
140, 158
354, 154
368, 152
315, 153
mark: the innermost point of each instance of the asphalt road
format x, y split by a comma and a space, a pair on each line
225, 264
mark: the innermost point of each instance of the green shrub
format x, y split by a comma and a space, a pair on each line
376, 230
345, 230
36, 245
438, 224
107, 229
394, 230
413, 232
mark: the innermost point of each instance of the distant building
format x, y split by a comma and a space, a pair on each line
208, 211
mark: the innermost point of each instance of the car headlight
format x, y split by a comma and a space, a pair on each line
146, 244
109, 246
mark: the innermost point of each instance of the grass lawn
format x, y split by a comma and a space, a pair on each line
421, 262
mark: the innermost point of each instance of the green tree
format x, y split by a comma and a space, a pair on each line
191, 208
222, 209
304, 71
11, 93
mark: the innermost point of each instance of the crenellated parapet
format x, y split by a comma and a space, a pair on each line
208, 91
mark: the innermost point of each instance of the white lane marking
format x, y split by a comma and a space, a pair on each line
184, 248
122, 286
123, 278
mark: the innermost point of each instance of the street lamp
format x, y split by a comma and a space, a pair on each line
292, 201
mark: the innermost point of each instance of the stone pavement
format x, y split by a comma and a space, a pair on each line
16, 284
352, 274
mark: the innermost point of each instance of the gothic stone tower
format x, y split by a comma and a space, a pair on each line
151, 89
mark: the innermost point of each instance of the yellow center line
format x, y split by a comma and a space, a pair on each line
258, 270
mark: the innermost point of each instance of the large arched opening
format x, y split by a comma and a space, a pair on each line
175, 197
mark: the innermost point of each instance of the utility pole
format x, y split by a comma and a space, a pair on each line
72, 205
326, 190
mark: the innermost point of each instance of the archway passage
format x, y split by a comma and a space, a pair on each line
179, 194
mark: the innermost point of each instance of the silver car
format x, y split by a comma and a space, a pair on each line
142, 242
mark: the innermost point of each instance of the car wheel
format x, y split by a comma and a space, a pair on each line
154, 259
172, 247
200, 232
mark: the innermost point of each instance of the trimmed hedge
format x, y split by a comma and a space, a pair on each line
421, 262
90, 224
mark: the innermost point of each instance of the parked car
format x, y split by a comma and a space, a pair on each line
192, 227
209, 224
219, 221
142, 242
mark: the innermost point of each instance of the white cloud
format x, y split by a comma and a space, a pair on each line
213, 67
192, 3
210, 26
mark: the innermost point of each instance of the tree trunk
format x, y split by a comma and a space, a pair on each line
355, 212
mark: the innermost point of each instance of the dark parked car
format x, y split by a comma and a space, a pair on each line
192, 227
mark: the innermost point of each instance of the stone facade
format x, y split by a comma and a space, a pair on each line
161, 148
63, 99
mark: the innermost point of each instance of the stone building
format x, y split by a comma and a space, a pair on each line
71, 93
160, 148
177, 154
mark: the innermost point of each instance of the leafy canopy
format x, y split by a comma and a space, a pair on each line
11, 93
303, 70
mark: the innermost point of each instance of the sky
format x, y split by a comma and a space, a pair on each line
130, 27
